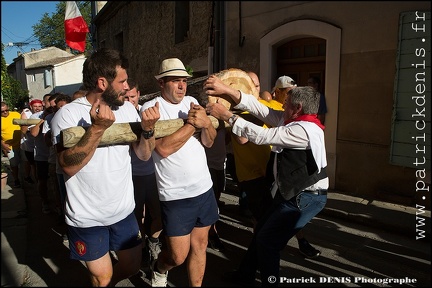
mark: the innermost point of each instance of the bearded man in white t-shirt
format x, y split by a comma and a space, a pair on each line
100, 201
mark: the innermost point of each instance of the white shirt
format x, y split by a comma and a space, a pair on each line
300, 135
183, 174
101, 193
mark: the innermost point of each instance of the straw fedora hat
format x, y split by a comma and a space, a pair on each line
172, 67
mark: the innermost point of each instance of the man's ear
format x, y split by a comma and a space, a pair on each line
299, 107
102, 83
161, 83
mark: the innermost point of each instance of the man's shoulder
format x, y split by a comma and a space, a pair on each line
36, 115
151, 102
15, 114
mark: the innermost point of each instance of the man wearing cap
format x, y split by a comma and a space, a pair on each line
299, 191
280, 90
188, 203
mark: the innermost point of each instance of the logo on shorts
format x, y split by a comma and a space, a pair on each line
80, 248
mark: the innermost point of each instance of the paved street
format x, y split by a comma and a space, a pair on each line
356, 252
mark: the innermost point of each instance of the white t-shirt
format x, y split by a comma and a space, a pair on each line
101, 193
183, 174
41, 149
27, 140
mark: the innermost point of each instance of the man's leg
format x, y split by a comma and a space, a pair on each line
129, 261
175, 254
101, 271
196, 261
280, 227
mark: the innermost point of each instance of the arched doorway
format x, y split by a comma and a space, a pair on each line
301, 29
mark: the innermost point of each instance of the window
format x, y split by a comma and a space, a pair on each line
31, 78
410, 143
47, 78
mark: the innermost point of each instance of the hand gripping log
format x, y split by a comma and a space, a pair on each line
119, 133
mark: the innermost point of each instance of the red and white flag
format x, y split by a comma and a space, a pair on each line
76, 28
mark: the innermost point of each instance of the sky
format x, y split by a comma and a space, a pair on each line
17, 19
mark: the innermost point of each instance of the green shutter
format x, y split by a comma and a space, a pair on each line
411, 130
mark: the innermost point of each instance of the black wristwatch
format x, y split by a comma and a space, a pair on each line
147, 134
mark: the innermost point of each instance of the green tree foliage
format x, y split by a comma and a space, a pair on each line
50, 29
11, 90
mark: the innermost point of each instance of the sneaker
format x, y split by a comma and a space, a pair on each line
158, 279
154, 249
215, 243
307, 250
17, 184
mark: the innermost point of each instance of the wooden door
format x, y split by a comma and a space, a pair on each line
301, 59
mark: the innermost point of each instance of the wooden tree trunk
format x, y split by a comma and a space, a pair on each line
125, 132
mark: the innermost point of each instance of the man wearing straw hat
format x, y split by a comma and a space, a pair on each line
188, 204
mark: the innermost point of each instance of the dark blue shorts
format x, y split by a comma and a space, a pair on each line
179, 217
91, 243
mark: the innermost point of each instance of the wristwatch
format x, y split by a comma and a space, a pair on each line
232, 119
147, 134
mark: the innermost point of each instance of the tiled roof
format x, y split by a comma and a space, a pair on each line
50, 62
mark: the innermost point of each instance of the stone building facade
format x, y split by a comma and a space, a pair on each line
354, 47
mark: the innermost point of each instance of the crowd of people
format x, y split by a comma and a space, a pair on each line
122, 198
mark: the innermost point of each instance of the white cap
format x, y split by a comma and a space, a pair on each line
284, 82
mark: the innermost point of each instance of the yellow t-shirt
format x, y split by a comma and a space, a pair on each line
250, 159
275, 105
11, 133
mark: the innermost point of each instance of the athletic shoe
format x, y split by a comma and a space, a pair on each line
158, 279
307, 250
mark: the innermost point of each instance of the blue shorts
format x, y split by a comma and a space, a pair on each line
179, 217
91, 243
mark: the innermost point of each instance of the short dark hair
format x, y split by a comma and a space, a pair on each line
132, 84
102, 63
63, 97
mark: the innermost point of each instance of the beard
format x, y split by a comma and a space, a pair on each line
111, 97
